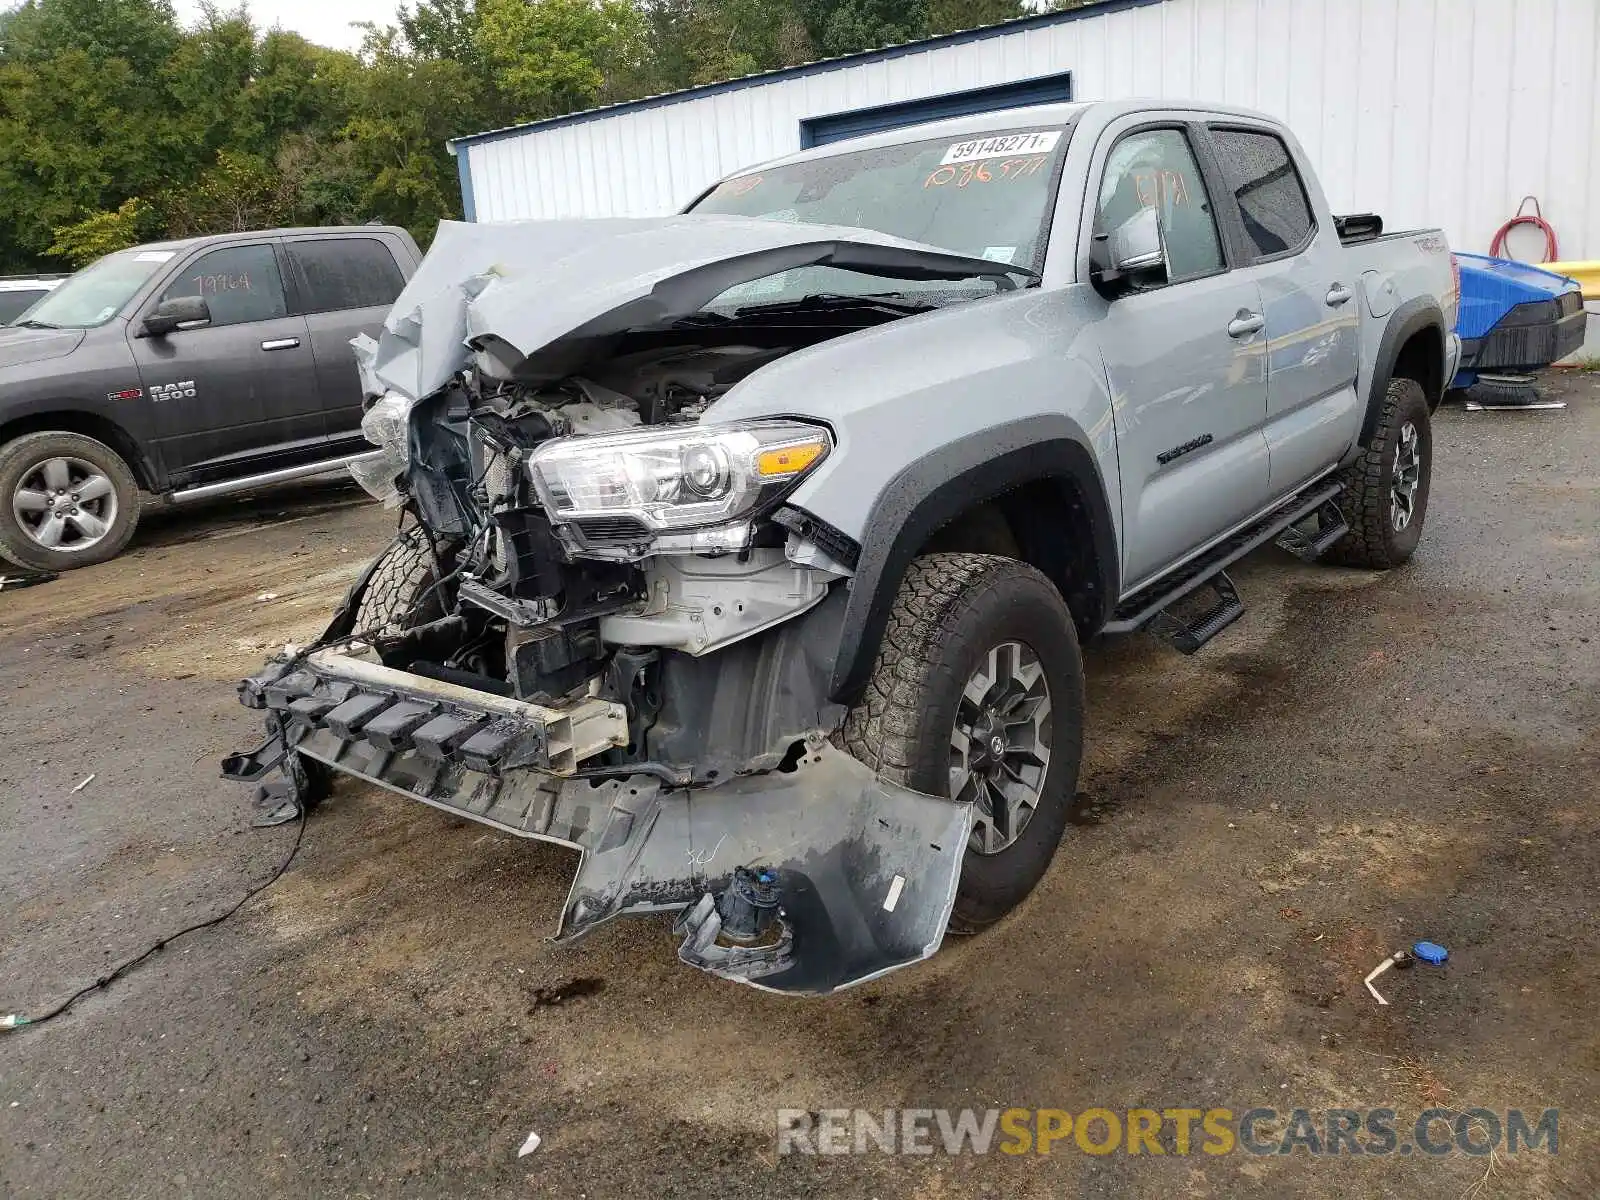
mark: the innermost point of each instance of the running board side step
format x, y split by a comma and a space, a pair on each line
1311, 544
231, 487
1187, 632
1141, 610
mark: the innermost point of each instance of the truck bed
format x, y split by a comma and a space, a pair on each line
1388, 267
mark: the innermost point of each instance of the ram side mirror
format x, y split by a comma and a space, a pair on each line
179, 312
1131, 257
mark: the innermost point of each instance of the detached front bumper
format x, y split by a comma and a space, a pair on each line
864, 872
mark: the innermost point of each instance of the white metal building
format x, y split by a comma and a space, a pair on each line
1430, 112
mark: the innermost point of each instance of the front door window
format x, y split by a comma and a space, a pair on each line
238, 283
1156, 169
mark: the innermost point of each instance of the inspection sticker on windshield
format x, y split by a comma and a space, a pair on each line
1039, 142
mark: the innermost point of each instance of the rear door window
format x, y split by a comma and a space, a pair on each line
239, 284
341, 273
1267, 188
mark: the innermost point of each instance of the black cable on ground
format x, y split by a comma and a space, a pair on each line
17, 1021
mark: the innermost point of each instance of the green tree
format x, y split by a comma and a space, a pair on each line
404, 109
74, 140
550, 57
847, 26
104, 233
297, 87
666, 25
238, 191
142, 33
83, 122
117, 123
724, 39
948, 16
204, 81
436, 29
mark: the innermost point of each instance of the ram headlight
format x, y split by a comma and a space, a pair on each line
387, 425
678, 478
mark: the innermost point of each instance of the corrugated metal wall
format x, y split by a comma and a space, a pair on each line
1436, 112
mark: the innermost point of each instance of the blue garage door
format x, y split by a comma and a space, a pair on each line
836, 127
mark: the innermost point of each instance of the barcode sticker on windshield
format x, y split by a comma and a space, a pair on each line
1006, 145
156, 256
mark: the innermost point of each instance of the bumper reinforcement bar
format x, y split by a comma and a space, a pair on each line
358, 700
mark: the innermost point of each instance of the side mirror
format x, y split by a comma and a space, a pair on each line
1131, 257
180, 312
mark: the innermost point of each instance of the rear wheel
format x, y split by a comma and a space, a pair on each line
977, 693
66, 501
1385, 498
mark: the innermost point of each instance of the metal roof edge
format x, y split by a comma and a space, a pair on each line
1097, 8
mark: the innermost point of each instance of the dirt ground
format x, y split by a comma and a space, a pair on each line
1362, 761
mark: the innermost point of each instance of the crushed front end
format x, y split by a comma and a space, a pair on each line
606, 628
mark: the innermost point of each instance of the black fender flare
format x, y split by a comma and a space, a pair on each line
937, 488
1411, 318
92, 419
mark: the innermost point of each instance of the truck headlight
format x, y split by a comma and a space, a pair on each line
677, 478
387, 425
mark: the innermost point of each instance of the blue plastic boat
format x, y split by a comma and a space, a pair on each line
1515, 319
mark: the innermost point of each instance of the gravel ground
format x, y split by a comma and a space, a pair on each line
1362, 761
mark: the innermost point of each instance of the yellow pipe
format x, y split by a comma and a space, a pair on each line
1586, 273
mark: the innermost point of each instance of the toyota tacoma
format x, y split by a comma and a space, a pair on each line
749, 552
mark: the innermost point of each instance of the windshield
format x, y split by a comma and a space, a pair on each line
988, 197
98, 292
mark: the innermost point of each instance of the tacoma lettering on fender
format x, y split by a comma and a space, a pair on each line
751, 549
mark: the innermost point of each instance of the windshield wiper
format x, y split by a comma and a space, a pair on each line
892, 302
33, 325
704, 317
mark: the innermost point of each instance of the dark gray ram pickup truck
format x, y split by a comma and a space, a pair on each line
185, 369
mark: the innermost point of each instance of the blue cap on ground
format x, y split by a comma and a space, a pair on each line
1429, 953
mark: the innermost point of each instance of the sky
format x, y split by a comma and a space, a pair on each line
326, 22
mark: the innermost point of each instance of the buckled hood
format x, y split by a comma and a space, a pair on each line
534, 295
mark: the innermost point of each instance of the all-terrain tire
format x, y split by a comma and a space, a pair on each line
952, 609
1368, 500
400, 593
117, 510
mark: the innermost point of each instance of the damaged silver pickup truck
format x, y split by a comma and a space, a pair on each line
750, 550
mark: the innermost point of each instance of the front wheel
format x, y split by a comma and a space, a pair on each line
65, 501
401, 592
977, 693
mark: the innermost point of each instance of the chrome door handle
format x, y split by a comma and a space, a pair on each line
1246, 323
281, 344
1339, 294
